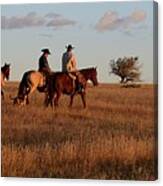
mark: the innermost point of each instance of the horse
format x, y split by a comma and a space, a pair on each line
61, 83
31, 81
5, 73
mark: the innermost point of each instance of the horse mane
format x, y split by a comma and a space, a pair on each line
3, 68
82, 69
86, 69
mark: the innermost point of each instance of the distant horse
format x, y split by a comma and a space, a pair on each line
5, 73
61, 83
31, 81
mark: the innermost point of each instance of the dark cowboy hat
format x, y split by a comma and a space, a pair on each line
46, 51
70, 47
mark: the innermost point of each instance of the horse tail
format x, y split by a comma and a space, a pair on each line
24, 84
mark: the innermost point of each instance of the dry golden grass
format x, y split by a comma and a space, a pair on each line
114, 138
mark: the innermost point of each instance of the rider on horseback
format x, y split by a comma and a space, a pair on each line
44, 68
43, 62
69, 65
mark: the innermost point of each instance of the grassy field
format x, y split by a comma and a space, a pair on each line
113, 138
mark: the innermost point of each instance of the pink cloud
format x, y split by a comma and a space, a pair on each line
111, 20
34, 20
29, 20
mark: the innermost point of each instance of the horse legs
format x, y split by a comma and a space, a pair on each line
46, 101
32, 89
27, 100
26, 97
56, 99
2, 94
83, 97
71, 100
49, 99
28, 92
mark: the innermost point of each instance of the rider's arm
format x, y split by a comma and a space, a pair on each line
74, 63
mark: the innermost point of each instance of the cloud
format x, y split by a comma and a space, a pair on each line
52, 15
29, 20
138, 16
111, 20
34, 20
60, 22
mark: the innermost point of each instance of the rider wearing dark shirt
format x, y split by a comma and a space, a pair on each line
43, 61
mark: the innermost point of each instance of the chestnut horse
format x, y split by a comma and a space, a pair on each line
61, 83
5, 72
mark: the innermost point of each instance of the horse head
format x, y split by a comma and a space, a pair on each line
90, 74
6, 70
93, 76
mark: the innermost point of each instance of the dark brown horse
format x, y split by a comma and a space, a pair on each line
5, 73
61, 83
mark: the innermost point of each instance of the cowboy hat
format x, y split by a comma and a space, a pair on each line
70, 47
46, 51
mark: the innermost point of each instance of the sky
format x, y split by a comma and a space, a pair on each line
100, 32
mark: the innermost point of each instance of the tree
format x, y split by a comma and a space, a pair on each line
128, 69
